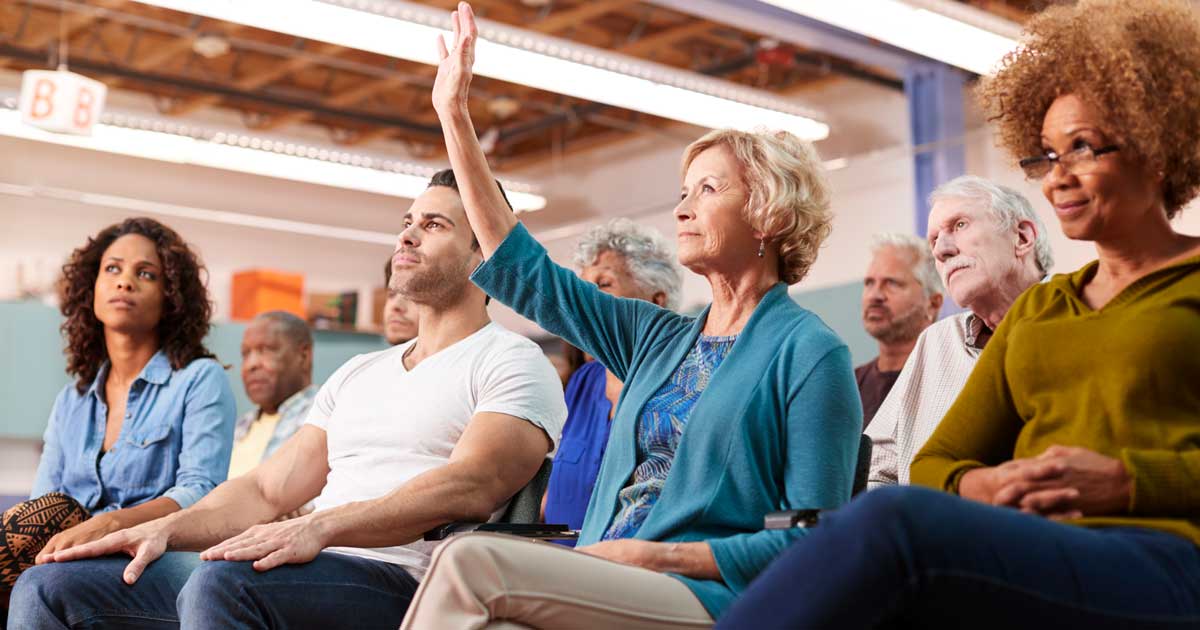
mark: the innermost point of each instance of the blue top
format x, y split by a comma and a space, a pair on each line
659, 430
777, 427
175, 440
581, 447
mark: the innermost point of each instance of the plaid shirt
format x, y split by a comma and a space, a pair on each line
934, 374
292, 413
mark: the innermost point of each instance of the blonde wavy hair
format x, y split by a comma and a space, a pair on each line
1136, 63
789, 193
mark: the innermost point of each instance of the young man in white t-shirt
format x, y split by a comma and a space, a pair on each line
442, 428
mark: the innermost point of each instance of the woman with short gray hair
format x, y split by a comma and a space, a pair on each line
626, 260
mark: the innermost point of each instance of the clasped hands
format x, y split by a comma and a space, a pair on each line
1064, 482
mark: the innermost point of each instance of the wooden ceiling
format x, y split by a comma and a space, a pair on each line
276, 81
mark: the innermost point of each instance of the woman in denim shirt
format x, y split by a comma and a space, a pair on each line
147, 427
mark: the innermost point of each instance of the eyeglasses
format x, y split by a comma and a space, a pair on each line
1077, 161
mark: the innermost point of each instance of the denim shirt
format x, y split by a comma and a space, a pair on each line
175, 439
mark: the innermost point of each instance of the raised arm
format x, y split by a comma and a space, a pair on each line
486, 209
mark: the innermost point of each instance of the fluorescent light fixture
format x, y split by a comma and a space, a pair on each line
239, 219
171, 142
917, 29
408, 31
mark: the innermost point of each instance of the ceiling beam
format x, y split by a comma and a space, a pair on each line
553, 23
584, 11
258, 98
668, 37
771, 21
75, 22
255, 80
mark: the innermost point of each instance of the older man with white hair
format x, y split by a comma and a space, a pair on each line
990, 246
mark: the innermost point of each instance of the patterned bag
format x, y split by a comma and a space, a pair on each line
28, 526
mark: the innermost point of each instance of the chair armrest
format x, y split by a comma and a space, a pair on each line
540, 531
787, 519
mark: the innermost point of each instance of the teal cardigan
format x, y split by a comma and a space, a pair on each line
777, 428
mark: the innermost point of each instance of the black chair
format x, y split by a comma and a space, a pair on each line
788, 519
520, 518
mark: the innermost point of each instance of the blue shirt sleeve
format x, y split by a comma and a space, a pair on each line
50, 466
824, 418
208, 423
521, 275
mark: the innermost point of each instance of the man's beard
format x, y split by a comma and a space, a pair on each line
902, 327
432, 285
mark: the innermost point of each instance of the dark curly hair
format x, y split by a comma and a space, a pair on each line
1136, 63
186, 307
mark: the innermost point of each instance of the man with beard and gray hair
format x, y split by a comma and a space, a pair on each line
902, 295
445, 427
990, 246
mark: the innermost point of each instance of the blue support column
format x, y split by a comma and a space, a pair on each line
935, 115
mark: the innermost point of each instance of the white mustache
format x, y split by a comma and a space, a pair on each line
954, 264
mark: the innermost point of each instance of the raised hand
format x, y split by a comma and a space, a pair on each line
145, 542
453, 82
294, 541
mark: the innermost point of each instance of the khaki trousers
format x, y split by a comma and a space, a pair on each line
492, 581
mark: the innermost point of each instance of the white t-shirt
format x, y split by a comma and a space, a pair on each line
385, 424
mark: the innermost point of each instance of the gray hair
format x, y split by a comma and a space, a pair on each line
650, 261
292, 328
1007, 206
923, 268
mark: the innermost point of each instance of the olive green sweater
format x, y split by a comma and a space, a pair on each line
1123, 381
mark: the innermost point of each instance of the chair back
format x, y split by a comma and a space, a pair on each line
526, 504
862, 469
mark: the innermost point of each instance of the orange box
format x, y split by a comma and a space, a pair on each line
260, 290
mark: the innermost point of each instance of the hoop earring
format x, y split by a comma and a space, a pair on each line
762, 247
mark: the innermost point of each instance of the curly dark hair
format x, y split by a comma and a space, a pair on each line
1136, 63
186, 307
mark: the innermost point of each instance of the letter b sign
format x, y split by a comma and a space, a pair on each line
62, 102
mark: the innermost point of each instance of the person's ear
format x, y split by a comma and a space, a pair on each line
660, 298
1026, 237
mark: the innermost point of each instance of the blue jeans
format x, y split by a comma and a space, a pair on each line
92, 594
911, 557
334, 590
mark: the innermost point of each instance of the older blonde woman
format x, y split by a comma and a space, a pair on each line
747, 408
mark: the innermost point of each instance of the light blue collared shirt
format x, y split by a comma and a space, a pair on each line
175, 439
292, 414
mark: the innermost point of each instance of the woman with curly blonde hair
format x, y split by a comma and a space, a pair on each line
146, 429
749, 407
1074, 447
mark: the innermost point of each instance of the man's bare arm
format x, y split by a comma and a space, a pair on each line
496, 455
291, 477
